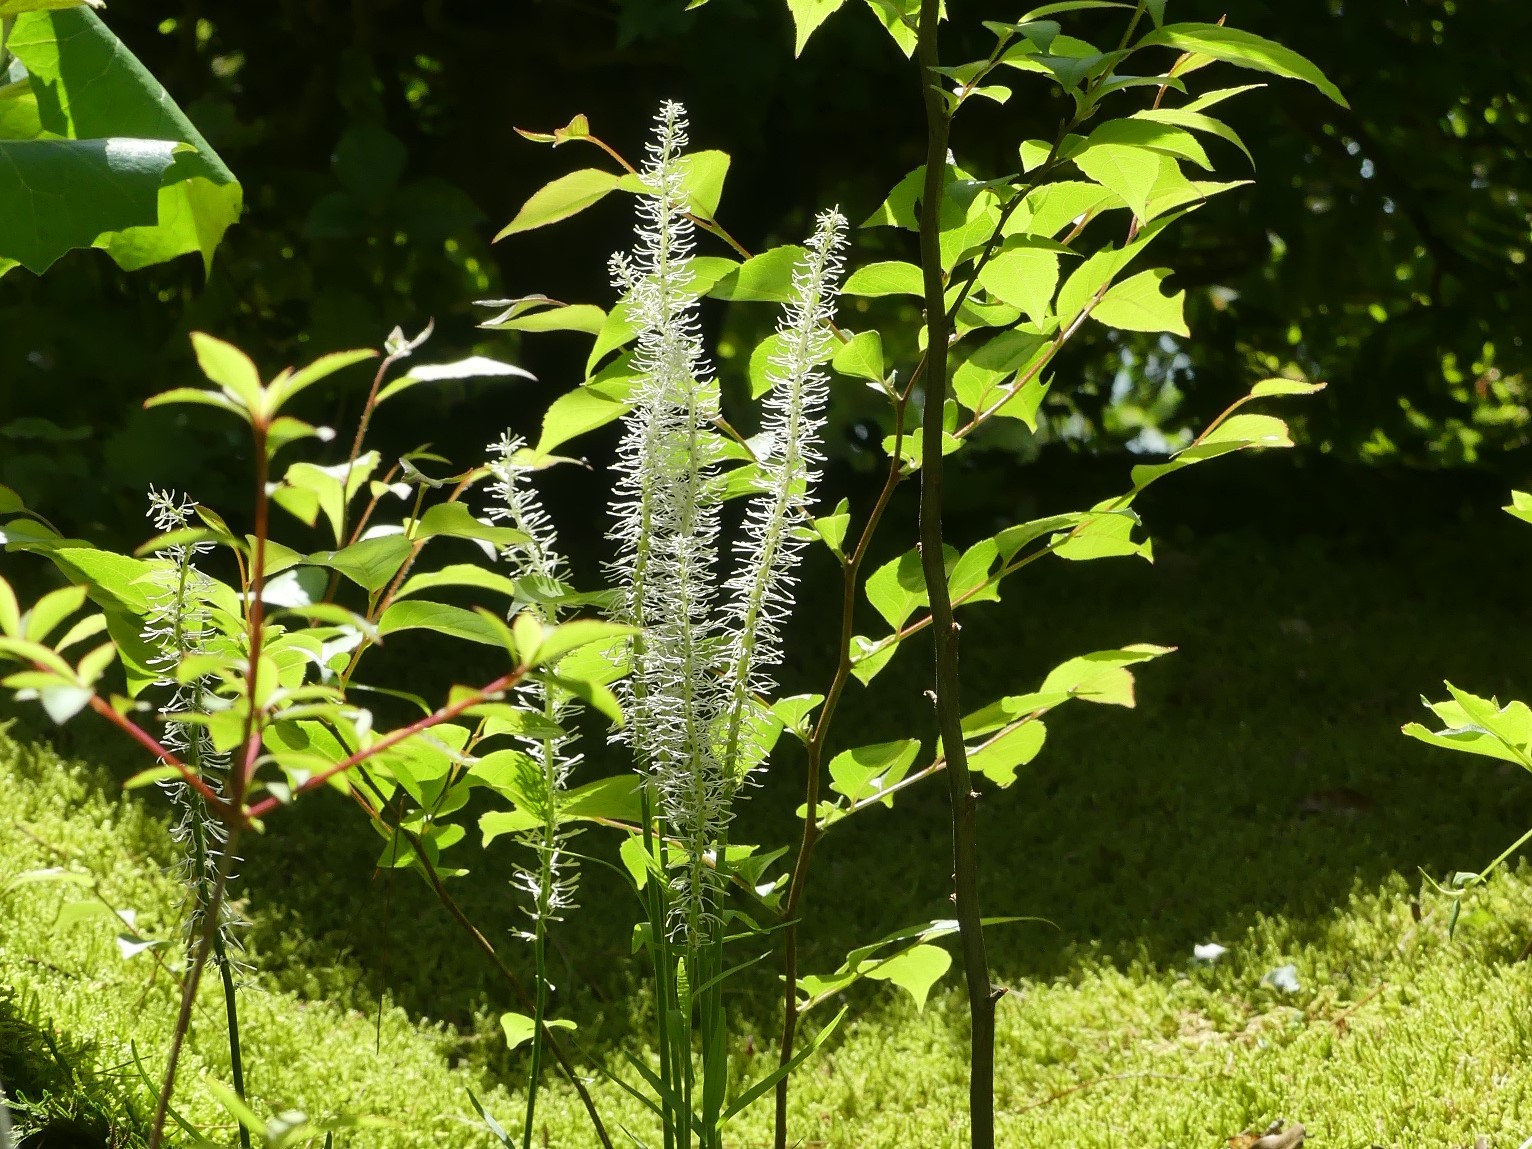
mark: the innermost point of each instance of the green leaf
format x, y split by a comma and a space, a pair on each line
868, 770
971, 572
1024, 277
761, 367
793, 712
458, 574
1136, 304
453, 621
230, 368
897, 587
702, 179
1152, 133
560, 640
832, 527
861, 357
808, 15
90, 89
586, 317
10, 612
899, 17
1000, 757
898, 210
765, 278
370, 563
869, 657
50, 612
889, 277
60, 195
977, 381
1104, 536
1197, 122
1481, 726
473, 367
455, 520
288, 384
915, 971
1520, 506
518, 1028
1266, 388
1238, 432
1048, 210
581, 410
17, 7
1102, 677
564, 197
1244, 49
1127, 170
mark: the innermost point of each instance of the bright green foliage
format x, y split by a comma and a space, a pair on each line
95, 153
1482, 726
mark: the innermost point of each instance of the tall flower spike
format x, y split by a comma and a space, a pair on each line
551, 885
178, 625
769, 547
666, 529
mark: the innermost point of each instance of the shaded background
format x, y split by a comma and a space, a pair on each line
1382, 248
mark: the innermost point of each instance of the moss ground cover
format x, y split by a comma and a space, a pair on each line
1260, 798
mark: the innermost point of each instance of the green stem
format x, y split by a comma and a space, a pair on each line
189, 991
539, 950
965, 861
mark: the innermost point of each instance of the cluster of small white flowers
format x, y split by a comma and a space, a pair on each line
177, 625
667, 526
695, 663
761, 592
551, 886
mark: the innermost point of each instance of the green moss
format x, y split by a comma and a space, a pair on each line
1261, 796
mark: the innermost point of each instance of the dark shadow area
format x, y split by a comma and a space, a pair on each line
51, 1092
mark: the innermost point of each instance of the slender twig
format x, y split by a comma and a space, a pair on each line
151, 744
851, 569
435, 718
965, 860
203, 950
240, 778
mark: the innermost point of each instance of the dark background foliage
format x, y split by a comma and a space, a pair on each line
1381, 249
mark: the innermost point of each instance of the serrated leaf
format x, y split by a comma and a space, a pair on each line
808, 15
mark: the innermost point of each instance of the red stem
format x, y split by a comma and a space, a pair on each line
436, 718
149, 743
